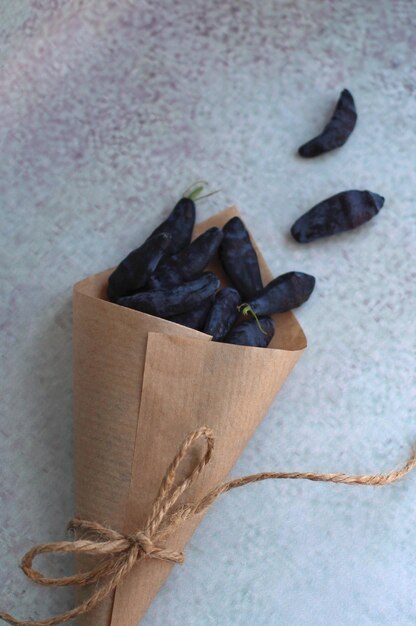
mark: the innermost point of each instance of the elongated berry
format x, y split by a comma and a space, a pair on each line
223, 313
169, 302
189, 262
344, 211
239, 259
337, 131
282, 294
179, 225
134, 271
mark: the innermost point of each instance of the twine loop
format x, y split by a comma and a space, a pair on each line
118, 553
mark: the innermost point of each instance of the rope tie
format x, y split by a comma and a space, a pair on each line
119, 553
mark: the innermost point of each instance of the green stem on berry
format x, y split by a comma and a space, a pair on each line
245, 309
208, 195
193, 192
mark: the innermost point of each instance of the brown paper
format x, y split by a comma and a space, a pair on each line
141, 384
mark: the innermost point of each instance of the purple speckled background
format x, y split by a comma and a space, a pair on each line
108, 111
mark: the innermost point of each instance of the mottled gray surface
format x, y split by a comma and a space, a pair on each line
108, 110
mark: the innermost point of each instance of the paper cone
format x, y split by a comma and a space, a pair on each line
141, 384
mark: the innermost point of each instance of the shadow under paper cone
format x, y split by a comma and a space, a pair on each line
141, 384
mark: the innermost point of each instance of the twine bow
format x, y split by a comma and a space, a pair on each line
120, 552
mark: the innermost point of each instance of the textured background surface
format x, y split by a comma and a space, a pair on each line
108, 111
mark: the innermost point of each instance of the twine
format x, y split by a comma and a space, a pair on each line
121, 552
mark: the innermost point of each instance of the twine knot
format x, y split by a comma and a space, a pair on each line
144, 542
119, 552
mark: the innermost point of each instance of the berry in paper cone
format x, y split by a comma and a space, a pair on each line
141, 384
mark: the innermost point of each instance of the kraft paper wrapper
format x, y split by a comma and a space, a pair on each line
141, 384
